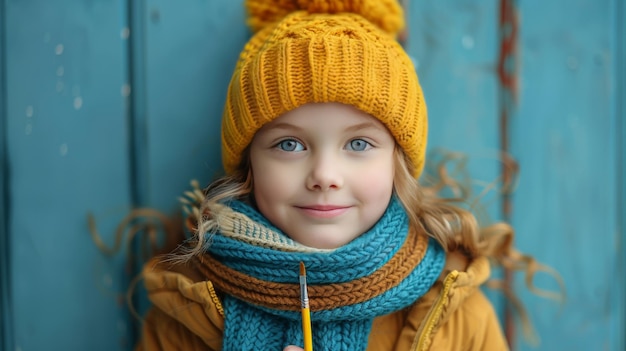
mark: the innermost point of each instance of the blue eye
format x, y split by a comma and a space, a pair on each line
358, 145
290, 145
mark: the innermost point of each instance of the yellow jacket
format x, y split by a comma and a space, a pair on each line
453, 315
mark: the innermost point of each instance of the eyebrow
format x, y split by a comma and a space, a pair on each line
364, 125
352, 128
282, 125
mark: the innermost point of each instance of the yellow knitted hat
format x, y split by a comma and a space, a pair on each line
307, 51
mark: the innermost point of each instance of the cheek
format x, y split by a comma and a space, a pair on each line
377, 180
270, 182
379, 188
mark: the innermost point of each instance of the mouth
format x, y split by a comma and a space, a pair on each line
323, 211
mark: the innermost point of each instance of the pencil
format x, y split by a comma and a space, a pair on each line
306, 312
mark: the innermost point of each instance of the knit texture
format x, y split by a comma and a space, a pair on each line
384, 270
319, 51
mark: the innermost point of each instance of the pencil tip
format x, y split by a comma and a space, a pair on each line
302, 269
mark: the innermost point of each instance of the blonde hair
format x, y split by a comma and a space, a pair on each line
443, 219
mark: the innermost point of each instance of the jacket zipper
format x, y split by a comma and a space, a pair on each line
435, 313
215, 298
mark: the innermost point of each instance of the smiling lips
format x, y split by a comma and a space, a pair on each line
323, 211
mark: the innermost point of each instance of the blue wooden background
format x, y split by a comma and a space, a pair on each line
106, 105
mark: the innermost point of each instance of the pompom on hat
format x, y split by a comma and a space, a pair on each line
314, 51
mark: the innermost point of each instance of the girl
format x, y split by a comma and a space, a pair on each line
323, 137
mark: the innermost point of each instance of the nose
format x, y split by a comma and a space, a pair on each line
325, 173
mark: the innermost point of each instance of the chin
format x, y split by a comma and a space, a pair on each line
329, 244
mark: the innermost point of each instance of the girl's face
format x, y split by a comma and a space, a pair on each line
323, 173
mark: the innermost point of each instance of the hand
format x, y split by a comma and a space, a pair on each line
293, 348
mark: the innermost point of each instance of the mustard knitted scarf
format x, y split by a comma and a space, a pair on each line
257, 267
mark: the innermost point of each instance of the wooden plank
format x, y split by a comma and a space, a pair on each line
564, 137
618, 338
67, 145
6, 334
454, 45
187, 65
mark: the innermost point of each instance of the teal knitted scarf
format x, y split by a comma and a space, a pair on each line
256, 267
